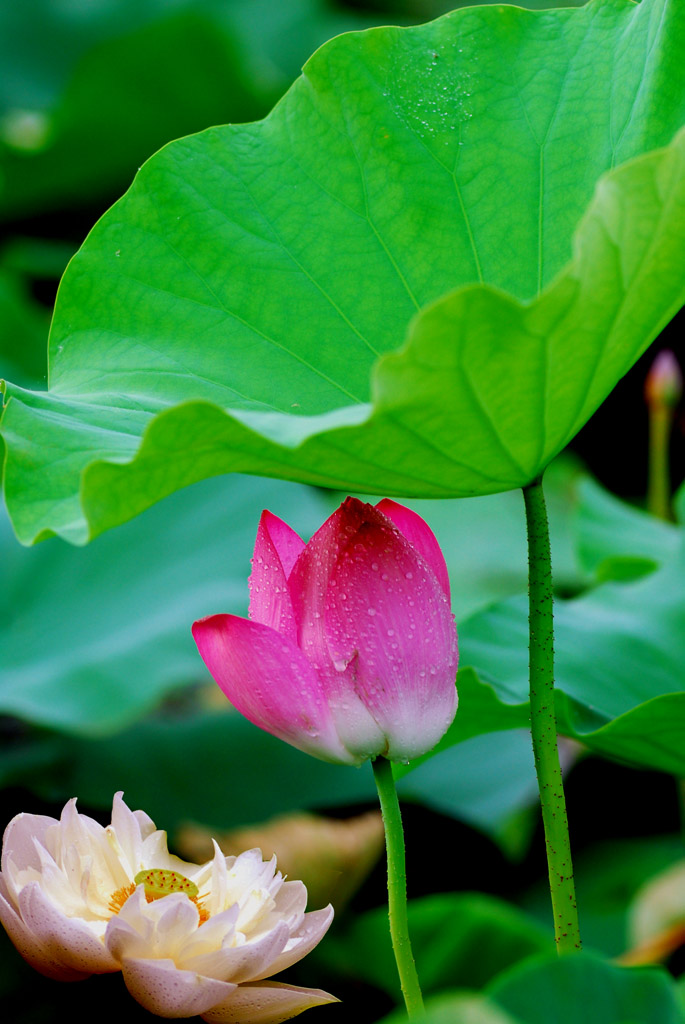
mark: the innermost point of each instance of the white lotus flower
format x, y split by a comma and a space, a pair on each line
79, 899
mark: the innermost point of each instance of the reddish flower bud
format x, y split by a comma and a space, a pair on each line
351, 648
664, 383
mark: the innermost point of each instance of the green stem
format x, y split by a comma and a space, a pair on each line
543, 722
397, 886
659, 480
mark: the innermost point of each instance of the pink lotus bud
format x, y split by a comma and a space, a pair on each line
664, 383
350, 650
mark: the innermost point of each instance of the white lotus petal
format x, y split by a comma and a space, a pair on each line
18, 847
250, 872
158, 929
28, 944
66, 940
245, 962
125, 836
216, 933
291, 903
162, 988
219, 880
268, 1002
314, 927
155, 852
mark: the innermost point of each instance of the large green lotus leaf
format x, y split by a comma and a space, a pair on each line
565, 990
459, 940
243, 306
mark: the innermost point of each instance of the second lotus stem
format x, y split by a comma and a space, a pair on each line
543, 722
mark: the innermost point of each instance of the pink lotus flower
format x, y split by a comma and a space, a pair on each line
350, 650
79, 899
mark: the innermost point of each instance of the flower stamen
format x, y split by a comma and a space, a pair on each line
119, 897
157, 883
201, 909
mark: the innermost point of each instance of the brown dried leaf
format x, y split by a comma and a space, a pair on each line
332, 857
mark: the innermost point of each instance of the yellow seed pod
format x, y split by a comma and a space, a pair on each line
160, 882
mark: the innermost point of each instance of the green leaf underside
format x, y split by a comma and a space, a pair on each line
460, 940
620, 653
648, 734
629, 639
565, 990
93, 638
465, 1007
232, 308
